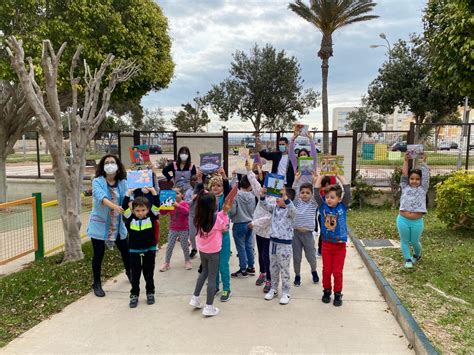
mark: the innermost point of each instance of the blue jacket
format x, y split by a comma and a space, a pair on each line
99, 220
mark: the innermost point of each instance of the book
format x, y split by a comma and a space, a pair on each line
302, 129
210, 162
244, 154
414, 150
231, 195
306, 165
139, 154
332, 165
274, 183
137, 179
167, 198
257, 159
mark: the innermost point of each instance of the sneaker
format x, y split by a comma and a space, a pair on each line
195, 302
133, 301
261, 280
240, 273
193, 253
225, 296
337, 299
250, 271
150, 298
272, 293
326, 296
188, 265
297, 281
98, 291
285, 299
408, 263
315, 276
165, 267
416, 258
267, 287
210, 311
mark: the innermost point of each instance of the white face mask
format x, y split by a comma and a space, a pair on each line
110, 168
183, 157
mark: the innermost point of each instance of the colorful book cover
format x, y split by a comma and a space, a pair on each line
274, 183
244, 155
231, 195
302, 129
210, 162
137, 179
257, 159
332, 165
414, 150
306, 165
167, 198
139, 154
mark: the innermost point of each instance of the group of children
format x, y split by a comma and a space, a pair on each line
283, 228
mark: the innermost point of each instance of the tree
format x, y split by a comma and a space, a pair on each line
365, 115
135, 29
153, 120
191, 119
85, 121
264, 88
448, 33
403, 82
328, 16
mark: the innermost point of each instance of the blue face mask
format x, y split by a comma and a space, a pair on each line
282, 148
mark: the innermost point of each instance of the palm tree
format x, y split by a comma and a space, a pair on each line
328, 16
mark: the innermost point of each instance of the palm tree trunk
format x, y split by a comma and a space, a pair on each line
325, 71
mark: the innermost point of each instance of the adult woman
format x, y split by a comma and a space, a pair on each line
303, 153
182, 169
105, 223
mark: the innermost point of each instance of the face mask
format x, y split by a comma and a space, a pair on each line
110, 168
183, 157
282, 148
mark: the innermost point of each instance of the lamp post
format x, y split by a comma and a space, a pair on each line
388, 46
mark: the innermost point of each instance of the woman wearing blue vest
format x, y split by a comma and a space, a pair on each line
106, 226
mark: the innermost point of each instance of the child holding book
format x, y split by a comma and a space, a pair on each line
141, 241
178, 229
283, 214
414, 184
210, 225
333, 210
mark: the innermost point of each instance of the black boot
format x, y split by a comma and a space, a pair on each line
337, 299
326, 296
98, 291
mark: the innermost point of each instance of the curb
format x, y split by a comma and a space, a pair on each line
410, 327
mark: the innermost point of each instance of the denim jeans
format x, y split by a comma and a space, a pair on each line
243, 243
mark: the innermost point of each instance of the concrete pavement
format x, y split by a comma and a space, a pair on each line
247, 324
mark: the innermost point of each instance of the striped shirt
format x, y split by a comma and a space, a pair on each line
305, 211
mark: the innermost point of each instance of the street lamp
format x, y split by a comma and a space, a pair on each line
389, 48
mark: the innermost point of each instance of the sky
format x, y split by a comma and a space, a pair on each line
205, 34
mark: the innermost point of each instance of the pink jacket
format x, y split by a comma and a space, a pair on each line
212, 242
179, 217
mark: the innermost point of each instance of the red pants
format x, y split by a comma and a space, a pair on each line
333, 255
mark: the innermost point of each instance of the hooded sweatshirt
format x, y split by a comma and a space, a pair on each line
243, 207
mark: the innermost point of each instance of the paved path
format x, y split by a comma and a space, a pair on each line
246, 325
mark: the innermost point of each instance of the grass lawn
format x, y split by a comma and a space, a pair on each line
43, 289
447, 265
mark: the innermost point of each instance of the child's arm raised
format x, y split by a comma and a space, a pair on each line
155, 201
425, 174
127, 212
404, 177
317, 189
289, 204
296, 184
263, 201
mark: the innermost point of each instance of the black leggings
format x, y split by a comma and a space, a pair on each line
98, 247
263, 247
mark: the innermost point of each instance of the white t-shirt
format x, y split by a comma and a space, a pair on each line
283, 165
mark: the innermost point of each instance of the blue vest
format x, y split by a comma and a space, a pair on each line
333, 223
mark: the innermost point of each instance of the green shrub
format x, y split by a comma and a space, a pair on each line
455, 201
362, 192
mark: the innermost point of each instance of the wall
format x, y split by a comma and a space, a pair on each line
22, 188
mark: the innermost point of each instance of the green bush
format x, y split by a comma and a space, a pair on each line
362, 192
455, 201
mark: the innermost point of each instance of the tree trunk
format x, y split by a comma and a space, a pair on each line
325, 71
3, 178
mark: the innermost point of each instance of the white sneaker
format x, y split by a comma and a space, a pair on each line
195, 302
210, 311
285, 298
272, 293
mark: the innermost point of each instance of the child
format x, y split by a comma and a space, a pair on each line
283, 214
325, 182
190, 197
305, 221
414, 184
178, 228
210, 225
261, 225
241, 215
142, 244
333, 209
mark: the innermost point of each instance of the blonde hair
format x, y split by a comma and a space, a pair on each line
215, 180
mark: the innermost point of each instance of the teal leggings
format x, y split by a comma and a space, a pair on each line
224, 263
410, 233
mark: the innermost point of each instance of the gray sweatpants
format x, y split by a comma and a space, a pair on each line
280, 257
210, 267
303, 240
183, 238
